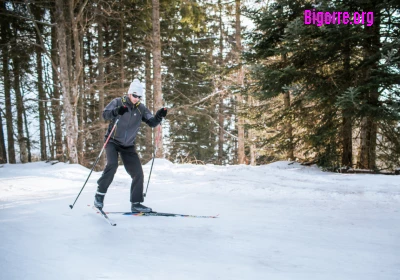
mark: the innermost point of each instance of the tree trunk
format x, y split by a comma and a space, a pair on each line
221, 129
100, 87
221, 118
42, 97
149, 104
368, 134
91, 115
56, 104
367, 150
28, 137
372, 144
5, 36
157, 68
23, 152
363, 154
287, 122
49, 135
77, 74
81, 100
347, 129
42, 94
122, 54
288, 127
107, 50
252, 134
241, 153
347, 140
3, 152
81, 134
69, 90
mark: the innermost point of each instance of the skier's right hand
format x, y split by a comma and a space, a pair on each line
120, 110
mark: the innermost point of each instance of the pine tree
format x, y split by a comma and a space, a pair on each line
189, 60
334, 82
6, 38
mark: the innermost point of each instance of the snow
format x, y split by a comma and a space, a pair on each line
278, 221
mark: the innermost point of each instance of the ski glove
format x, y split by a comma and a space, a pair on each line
162, 113
120, 110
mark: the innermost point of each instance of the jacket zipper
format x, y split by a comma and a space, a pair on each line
129, 122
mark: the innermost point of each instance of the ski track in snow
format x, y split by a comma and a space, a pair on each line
279, 221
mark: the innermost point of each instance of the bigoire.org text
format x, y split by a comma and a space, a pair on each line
320, 18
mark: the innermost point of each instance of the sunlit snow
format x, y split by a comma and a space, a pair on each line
279, 221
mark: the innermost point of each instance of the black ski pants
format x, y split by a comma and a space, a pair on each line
132, 165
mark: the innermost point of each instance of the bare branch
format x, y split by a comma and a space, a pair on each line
29, 19
41, 38
198, 102
215, 122
41, 100
78, 16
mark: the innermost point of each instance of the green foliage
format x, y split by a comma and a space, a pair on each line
349, 100
193, 15
332, 72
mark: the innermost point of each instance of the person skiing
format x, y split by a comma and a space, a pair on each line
131, 112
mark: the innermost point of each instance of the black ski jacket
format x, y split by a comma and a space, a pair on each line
129, 123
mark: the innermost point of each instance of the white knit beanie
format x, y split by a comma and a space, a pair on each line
136, 88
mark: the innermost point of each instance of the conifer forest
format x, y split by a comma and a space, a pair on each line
244, 81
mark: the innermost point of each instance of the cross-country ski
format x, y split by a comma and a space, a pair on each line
161, 214
102, 213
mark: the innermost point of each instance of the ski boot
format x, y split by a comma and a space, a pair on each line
138, 207
98, 200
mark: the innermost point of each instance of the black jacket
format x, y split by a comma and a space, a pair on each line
129, 123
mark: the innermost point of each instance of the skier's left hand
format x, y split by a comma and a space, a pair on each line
162, 113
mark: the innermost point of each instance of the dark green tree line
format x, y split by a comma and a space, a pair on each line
334, 74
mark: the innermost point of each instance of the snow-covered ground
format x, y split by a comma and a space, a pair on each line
275, 222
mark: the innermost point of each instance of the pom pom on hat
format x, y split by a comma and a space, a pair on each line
136, 88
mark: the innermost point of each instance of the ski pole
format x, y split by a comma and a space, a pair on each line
158, 136
104, 146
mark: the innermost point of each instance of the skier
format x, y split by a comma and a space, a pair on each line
131, 113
